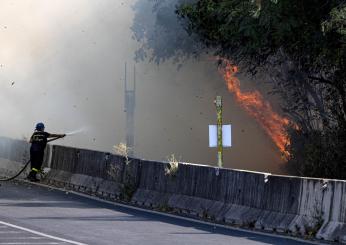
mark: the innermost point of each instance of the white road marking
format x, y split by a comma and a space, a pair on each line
24, 238
10, 232
30, 243
40, 234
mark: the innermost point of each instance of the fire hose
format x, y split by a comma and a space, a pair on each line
26, 164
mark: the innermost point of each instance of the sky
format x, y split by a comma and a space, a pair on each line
62, 63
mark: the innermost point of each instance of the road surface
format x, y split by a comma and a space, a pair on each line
31, 214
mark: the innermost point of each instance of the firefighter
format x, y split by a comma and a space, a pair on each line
38, 142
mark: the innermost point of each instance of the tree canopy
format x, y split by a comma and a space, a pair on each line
162, 37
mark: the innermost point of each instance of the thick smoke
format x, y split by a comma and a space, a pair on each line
62, 62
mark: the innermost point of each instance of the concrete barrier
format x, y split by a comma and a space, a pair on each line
292, 205
14, 154
14, 150
305, 207
93, 172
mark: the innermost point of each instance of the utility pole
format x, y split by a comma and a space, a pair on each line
218, 103
130, 103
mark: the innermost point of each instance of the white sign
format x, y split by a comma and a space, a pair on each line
226, 135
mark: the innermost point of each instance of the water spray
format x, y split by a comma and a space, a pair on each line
77, 131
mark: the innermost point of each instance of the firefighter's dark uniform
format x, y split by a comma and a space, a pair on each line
38, 144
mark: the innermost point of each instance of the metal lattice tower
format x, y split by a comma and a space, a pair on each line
130, 104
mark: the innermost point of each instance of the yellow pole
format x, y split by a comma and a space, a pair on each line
218, 103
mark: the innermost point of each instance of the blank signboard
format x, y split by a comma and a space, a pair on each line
226, 135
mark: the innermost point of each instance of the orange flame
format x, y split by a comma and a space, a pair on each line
255, 105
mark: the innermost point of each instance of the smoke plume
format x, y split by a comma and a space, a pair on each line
62, 63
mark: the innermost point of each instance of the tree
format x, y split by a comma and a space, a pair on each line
161, 35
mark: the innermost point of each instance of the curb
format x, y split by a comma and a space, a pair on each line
129, 206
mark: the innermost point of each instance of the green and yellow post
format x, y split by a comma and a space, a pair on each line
218, 103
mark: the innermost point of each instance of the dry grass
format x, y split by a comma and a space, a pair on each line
173, 166
123, 150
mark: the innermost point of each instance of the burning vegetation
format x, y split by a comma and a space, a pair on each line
255, 105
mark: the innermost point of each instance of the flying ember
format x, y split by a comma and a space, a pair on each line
255, 105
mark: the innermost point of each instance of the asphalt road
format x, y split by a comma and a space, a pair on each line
32, 214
